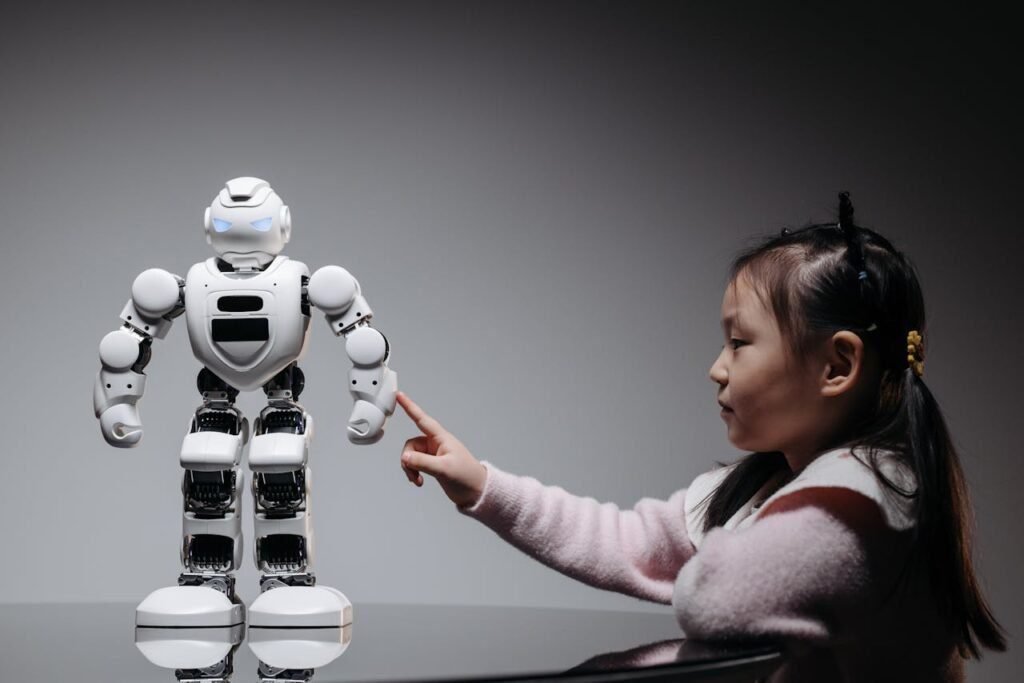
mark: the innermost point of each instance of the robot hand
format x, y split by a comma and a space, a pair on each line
119, 386
372, 384
366, 424
121, 425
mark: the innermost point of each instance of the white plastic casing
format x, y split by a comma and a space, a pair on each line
365, 346
247, 224
332, 289
211, 451
155, 292
278, 452
114, 396
188, 606
151, 327
247, 363
301, 606
119, 350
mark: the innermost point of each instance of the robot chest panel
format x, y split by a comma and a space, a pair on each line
246, 329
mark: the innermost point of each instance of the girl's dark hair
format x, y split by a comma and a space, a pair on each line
829, 277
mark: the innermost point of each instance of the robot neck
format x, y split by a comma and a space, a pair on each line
243, 265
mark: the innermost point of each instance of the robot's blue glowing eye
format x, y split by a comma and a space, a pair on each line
221, 225
263, 224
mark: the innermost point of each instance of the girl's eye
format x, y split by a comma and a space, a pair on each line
736, 343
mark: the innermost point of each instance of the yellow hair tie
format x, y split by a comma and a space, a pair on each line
915, 352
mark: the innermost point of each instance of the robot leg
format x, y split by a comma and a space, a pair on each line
211, 546
211, 549
278, 459
283, 543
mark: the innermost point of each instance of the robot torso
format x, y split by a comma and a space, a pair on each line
246, 327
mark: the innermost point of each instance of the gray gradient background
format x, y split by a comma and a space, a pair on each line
540, 202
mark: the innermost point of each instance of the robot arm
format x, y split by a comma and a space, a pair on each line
372, 383
157, 298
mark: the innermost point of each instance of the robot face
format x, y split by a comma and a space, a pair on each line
247, 224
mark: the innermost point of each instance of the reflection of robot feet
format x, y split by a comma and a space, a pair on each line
188, 606
300, 607
293, 654
196, 654
207, 654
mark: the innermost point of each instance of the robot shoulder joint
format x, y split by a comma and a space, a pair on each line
156, 292
332, 289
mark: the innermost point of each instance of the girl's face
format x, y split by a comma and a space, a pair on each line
771, 402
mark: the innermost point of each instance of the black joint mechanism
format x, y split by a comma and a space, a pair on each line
223, 582
209, 553
282, 422
290, 379
281, 553
270, 674
305, 295
145, 353
207, 383
217, 421
280, 494
209, 494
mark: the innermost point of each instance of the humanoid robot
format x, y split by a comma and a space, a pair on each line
247, 311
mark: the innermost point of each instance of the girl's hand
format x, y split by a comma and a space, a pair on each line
442, 456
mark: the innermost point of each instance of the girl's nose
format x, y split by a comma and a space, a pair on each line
717, 372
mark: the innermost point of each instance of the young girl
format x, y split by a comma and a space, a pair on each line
844, 534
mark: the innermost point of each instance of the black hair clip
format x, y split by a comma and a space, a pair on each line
853, 246
847, 227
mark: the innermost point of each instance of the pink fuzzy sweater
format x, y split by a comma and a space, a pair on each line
807, 562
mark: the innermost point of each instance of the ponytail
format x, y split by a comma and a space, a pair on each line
944, 522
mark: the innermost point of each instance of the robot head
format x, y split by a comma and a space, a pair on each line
247, 224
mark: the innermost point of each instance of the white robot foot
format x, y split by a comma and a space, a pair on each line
188, 606
301, 607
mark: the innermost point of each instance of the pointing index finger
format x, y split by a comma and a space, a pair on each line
427, 424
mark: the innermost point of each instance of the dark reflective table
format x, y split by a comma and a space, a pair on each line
82, 643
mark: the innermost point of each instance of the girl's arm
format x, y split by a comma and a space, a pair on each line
806, 569
637, 552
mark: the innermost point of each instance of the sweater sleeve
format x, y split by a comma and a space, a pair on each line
801, 572
637, 552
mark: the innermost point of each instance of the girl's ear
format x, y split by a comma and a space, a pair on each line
844, 363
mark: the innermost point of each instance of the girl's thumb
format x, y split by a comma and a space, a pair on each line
423, 462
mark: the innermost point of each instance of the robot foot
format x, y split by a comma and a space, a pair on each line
301, 607
188, 606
